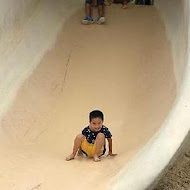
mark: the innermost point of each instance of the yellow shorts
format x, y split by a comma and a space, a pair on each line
89, 148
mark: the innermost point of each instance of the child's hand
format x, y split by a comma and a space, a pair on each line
111, 154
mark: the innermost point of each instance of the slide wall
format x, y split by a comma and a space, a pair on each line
28, 28
159, 151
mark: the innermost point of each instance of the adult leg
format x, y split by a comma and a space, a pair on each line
100, 140
77, 144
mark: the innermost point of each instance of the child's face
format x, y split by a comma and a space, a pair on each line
96, 124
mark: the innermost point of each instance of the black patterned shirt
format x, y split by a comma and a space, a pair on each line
91, 135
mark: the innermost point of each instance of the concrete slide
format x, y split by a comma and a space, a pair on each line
54, 71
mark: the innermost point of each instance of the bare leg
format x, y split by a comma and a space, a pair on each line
80, 153
101, 11
100, 140
88, 9
77, 145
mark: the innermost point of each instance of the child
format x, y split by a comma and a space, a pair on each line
92, 140
88, 10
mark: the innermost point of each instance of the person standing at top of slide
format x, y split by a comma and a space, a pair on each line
88, 11
92, 140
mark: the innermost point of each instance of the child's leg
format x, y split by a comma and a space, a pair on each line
88, 11
101, 10
80, 153
100, 140
77, 145
88, 8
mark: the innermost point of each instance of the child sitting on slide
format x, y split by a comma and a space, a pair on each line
92, 140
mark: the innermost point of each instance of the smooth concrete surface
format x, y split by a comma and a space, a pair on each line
176, 17
34, 153
15, 13
28, 29
157, 153
76, 76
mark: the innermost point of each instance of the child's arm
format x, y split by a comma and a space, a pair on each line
110, 147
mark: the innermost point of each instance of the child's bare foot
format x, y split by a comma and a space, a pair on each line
70, 157
96, 158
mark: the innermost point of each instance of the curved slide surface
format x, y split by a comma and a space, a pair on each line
124, 68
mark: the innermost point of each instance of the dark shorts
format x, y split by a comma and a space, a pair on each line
99, 2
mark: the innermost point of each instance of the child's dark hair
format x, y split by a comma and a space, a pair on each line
95, 114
